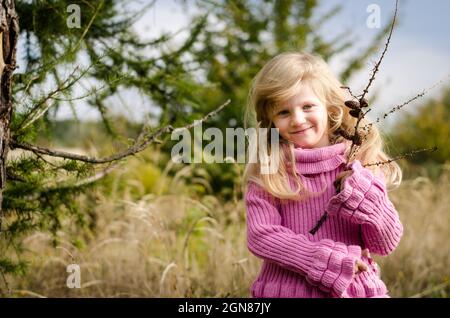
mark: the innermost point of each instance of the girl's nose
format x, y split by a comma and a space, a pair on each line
298, 118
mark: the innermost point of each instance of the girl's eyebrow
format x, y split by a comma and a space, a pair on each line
307, 102
280, 107
303, 103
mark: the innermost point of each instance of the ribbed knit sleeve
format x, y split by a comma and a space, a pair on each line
364, 200
326, 264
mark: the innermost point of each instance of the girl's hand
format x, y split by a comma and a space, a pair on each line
340, 179
348, 171
360, 266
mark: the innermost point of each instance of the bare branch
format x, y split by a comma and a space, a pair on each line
141, 142
209, 115
350, 91
409, 154
366, 90
356, 137
377, 65
398, 107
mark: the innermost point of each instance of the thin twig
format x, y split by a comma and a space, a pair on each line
68, 185
6, 282
34, 113
409, 154
33, 78
88, 26
398, 107
377, 65
350, 91
360, 113
140, 143
372, 78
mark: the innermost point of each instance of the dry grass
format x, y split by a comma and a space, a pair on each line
419, 267
173, 246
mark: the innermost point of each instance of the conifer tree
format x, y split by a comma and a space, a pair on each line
73, 44
73, 50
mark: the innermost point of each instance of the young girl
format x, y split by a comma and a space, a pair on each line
298, 94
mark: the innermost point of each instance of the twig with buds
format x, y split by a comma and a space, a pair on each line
356, 111
336, 183
141, 142
409, 154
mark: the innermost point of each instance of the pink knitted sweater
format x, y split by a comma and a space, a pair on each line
298, 264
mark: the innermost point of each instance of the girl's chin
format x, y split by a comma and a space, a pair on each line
302, 140
308, 145
302, 144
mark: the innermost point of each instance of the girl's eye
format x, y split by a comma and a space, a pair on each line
283, 113
308, 107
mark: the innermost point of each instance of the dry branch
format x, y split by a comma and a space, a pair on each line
356, 111
141, 142
398, 107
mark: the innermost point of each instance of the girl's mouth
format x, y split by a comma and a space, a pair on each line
299, 132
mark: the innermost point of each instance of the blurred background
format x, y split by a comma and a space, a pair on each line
93, 75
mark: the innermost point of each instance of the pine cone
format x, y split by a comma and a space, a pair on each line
363, 102
355, 113
352, 104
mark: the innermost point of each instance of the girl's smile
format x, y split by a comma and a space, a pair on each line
301, 131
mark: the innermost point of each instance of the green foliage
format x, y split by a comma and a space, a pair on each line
227, 43
12, 267
427, 127
238, 38
106, 57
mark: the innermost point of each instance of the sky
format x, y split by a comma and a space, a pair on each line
418, 56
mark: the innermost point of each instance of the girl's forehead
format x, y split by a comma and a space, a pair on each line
303, 94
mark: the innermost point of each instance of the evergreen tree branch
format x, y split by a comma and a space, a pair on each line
41, 106
13, 177
75, 48
141, 142
67, 184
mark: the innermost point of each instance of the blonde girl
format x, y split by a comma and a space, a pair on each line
299, 95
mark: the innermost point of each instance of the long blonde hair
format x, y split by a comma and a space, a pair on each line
277, 82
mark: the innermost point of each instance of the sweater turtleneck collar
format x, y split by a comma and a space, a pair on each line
317, 160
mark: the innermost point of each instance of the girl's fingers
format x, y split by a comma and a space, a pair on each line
363, 267
340, 179
365, 252
360, 267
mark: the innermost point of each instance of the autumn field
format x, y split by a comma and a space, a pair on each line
149, 235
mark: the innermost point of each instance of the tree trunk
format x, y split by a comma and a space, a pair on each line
9, 33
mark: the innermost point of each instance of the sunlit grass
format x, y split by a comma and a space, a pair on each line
170, 243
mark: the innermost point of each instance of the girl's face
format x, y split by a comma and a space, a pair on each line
303, 119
